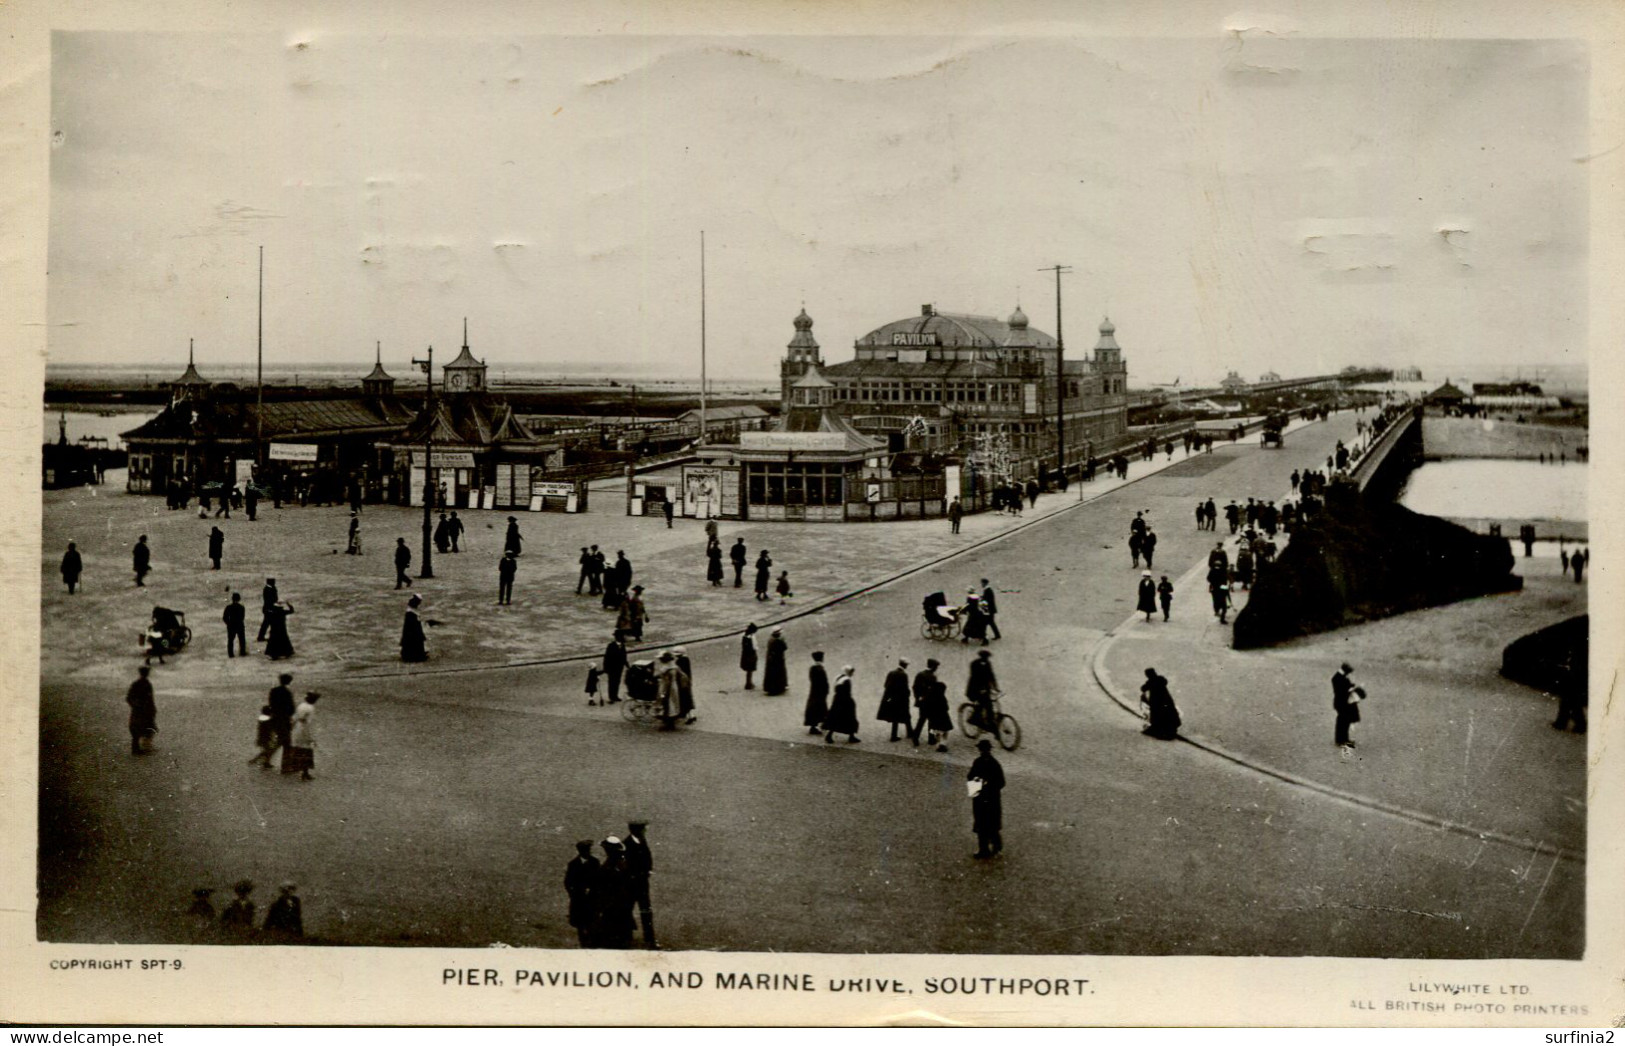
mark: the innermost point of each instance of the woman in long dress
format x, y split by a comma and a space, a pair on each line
713, 566
775, 674
747, 656
938, 720
300, 755
843, 710
975, 626
414, 647
1162, 714
1148, 595
817, 709
277, 643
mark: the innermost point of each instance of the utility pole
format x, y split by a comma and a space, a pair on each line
702, 336
429, 486
1060, 378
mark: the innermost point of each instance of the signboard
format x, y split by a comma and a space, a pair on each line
553, 490
916, 338
951, 480
292, 452
871, 492
245, 474
1029, 398
443, 459
702, 492
792, 441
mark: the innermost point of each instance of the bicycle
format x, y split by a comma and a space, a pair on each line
1005, 727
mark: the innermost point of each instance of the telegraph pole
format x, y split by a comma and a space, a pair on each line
429, 486
259, 370
1060, 380
702, 336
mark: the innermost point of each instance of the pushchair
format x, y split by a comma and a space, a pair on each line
642, 690
942, 621
167, 634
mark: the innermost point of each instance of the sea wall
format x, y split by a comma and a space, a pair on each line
1367, 558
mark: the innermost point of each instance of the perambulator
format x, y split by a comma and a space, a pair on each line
941, 620
167, 634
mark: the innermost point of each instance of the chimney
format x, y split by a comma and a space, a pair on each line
927, 310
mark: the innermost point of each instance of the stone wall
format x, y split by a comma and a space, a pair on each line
1366, 559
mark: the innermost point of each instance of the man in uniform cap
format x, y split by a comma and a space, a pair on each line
987, 806
612, 899
639, 866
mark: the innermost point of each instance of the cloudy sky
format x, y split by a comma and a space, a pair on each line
1245, 201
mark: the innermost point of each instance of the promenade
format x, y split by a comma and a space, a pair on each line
446, 800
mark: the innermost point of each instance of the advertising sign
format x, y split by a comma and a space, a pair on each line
292, 452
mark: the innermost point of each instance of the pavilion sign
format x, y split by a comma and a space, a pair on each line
792, 441
292, 452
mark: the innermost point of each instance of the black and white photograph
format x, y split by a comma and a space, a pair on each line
911, 518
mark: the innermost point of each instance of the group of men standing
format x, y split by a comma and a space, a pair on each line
602, 894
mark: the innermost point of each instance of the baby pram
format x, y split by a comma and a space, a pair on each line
942, 621
167, 634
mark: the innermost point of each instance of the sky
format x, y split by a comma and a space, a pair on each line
1245, 201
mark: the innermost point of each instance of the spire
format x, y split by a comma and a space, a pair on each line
465, 333
188, 353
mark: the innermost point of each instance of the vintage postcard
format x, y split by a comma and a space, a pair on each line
841, 515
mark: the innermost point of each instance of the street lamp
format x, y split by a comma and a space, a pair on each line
429, 486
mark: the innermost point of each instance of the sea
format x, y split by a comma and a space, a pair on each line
1479, 488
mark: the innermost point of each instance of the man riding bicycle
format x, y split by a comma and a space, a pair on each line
981, 689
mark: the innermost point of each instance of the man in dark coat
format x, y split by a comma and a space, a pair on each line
586, 569
990, 608
143, 713
764, 574
1219, 559
738, 556
956, 512
987, 805
285, 918
981, 686
666, 508
924, 680
595, 573
775, 669
615, 664
511, 542
580, 875
251, 501
236, 617
639, 867
1136, 542
141, 559
281, 704
1165, 595
403, 559
612, 899
1148, 546
268, 599
1345, 702
894, 695
812, 717
442, 535
217, 546
507, 567
72, 567
454, 527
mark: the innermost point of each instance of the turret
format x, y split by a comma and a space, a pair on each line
464, 374
378, 384
801, 356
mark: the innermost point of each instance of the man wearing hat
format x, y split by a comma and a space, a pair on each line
280, 702
639, 866
615, 664
507, 567
925, 682
285, 918
894, 699
580, 875
986, 804
268, 599
512, 542
1147, 601
980, 687
612, 899
1345, 702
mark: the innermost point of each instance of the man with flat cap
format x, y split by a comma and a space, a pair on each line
639, 866
894, 695
580, 875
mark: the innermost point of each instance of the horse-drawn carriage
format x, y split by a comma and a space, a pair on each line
1274, 434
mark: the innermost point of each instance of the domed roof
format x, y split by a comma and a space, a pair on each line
1106, 325
1018, 320
803, 322
812, 380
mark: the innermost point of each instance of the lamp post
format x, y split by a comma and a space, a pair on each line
427, 569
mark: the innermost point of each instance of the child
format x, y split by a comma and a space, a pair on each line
593, 672
264, 739
784, 586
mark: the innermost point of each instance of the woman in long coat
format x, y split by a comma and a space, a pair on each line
764, 574
685, 684
817, 695
843, 710
277, 643
975, 626
1162, 713
747, 656
775, 674
413, 645
1147, 604
713, 566
934, 710
894, 697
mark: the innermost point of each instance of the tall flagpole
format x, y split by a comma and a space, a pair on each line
259, 369
702, 336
